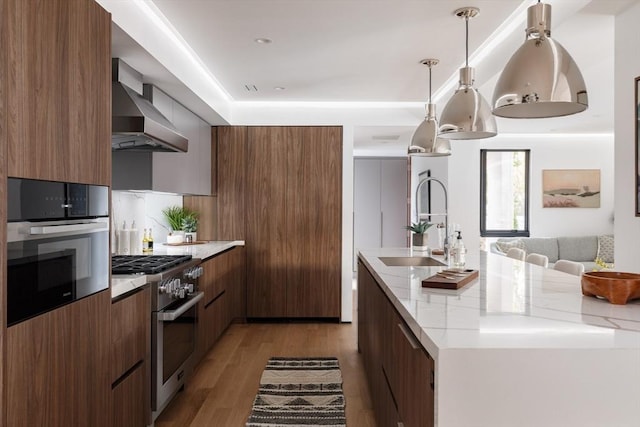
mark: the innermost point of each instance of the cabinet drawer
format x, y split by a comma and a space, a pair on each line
130, 403
130, 324
410, 377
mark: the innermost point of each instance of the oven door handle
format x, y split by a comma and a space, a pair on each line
52, 229
171, 315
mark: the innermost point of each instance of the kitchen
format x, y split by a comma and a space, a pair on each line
82, 130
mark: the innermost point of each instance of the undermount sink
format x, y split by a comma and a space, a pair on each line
410, 261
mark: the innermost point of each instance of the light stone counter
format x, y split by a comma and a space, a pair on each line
126, 283
520, 346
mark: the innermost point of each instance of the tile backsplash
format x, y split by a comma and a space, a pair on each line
145, 208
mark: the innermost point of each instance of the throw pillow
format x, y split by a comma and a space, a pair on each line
505, 245
605, 248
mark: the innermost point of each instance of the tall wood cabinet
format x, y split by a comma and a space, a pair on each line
55, 124
280, 189
59, 90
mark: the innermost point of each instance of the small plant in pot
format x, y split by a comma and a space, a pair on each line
175, 216
419, 230
190, 226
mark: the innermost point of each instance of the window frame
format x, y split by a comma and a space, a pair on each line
484, 232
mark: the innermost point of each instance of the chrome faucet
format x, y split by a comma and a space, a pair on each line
445, 243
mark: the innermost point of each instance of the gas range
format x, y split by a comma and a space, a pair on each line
145, 264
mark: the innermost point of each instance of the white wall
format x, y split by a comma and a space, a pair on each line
627, 68
547, 152
347, 223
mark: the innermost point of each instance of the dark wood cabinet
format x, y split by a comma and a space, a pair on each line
130, 402
224, 287
266, 215
280, 190
59, 124
238, 292
55, 110
231, 176
58, 366
313, 222
399, 371
130, 358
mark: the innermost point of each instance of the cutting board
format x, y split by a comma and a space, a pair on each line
450, 279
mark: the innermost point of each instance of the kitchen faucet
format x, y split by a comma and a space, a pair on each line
445, 243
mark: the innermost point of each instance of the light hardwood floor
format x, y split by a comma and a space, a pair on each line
223, 386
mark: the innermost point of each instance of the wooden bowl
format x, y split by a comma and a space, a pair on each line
616, 287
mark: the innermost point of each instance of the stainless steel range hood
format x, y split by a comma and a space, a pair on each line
136, 124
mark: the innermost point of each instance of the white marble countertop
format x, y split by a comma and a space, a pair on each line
122, 284
520, 333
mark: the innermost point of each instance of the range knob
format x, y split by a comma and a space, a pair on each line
166, 287
194, 272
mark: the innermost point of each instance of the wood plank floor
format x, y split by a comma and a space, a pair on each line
223, 386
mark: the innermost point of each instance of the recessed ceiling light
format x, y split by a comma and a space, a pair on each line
279, 88
262, 40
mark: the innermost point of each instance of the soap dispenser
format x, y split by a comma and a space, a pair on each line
459, 253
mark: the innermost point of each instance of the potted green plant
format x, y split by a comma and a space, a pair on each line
190, 226
419, 230
175, 216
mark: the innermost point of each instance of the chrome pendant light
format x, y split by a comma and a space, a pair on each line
467, 115
425, 141
541, 79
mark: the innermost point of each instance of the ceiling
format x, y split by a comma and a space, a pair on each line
369, 51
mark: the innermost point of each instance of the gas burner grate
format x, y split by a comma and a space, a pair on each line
147, 264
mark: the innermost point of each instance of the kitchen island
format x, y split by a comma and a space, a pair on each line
519, 346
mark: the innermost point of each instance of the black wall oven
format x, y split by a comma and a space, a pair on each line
57, 245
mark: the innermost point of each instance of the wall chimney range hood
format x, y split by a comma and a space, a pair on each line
137, 125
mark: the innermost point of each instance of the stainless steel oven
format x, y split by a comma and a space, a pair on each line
57, 245
173, 330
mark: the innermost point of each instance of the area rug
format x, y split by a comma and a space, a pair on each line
297, 391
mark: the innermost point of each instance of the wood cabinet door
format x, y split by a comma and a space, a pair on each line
59, 126
266, 226
237, 290
130, 332
58, 359
129, 399
314, 222
232, 182
411, 378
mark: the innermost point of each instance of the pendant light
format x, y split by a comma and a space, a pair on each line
467, 115
541, 79
425, 141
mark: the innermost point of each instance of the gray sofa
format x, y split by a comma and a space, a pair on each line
582, 249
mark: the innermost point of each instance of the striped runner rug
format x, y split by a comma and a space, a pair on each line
296, 391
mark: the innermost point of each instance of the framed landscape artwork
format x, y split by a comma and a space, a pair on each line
636, 115
571, 188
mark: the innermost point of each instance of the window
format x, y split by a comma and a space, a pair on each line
504, 193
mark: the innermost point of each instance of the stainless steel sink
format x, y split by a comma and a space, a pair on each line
410, 261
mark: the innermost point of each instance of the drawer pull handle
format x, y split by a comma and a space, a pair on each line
409, 336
